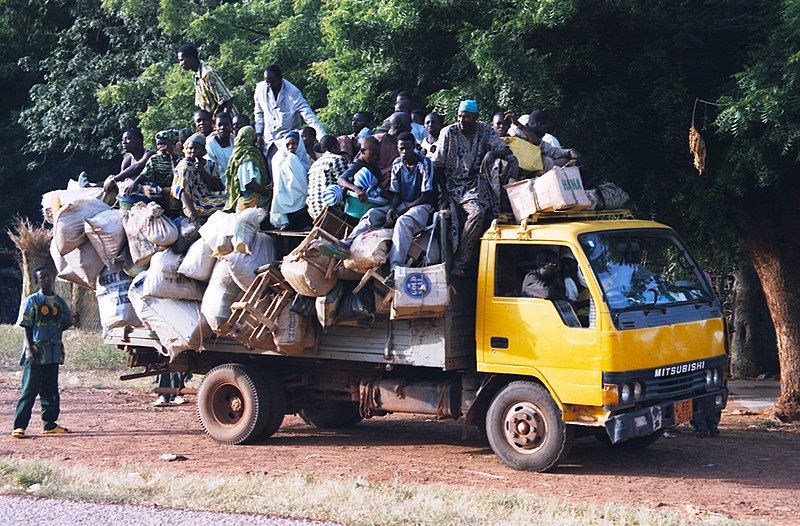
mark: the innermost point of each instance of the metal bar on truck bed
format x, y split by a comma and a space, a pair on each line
144, 374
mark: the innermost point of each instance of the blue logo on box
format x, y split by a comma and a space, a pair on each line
417, 285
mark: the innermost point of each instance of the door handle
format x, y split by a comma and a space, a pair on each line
498, 342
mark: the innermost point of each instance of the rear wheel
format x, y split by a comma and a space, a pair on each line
525, 427
632, 444
236, 405
326, 414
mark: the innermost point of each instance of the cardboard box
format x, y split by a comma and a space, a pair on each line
560, 189
421, 292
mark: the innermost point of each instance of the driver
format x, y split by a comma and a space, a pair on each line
545, 280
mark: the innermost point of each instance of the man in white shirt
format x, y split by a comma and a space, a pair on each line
219, 145
279, 108
539, 122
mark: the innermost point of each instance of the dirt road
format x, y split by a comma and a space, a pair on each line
751, 471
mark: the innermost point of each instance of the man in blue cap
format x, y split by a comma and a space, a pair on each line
467, 150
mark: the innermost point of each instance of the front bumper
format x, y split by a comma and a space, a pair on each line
648, 420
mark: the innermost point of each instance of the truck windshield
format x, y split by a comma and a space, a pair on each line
644, 269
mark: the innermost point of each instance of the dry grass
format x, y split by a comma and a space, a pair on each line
351, 501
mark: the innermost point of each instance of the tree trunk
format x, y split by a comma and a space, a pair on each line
772, 238
753, 347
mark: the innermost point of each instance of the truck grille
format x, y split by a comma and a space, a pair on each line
674, 385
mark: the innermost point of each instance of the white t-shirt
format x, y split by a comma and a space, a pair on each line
219, 155
551, 140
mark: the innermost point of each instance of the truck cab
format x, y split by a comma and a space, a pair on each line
643, 349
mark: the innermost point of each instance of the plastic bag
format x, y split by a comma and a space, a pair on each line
198, 263
244, 267
220, 294
357, 306
112, 299
611, 196
83, 265
369, 250
163, 280
303, 305
326, 306
107, 234
245, 228
68, 229
217, 233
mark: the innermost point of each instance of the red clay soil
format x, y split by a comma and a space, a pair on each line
749, 472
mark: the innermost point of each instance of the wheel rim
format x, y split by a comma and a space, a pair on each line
227, 404
525, 427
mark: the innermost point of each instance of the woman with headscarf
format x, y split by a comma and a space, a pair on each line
290, 177
246, 175
196, 182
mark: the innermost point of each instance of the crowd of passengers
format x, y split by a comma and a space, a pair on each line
410, 164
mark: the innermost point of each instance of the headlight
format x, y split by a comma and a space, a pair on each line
709, 378
626, 393
717, 379
637, 391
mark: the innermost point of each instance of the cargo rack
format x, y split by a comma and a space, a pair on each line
559, 217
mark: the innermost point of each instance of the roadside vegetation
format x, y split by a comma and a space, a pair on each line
349, 501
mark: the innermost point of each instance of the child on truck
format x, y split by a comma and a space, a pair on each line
411, 189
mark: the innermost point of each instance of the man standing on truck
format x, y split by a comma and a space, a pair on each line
210, 93
45, 316
467, 150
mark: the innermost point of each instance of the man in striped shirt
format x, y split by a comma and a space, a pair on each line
210, 93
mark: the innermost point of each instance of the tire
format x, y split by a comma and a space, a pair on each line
235, 404
325, 414
632, 444
518, 444
276, 401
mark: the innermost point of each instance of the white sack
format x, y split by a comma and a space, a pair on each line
83, 266
107, 234
68, 227
163, 280
218, 233
220, 294
245, 228
140, 249
244, 267
178, 324
198, 263
158, 228
58, 259
53, 201
369, 250
112, 299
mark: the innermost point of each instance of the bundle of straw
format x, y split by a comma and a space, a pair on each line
33, 243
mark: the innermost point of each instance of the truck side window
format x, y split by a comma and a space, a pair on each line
547, 272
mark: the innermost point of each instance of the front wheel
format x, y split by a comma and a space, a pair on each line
526, 429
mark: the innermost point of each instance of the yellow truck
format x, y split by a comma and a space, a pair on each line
643, 349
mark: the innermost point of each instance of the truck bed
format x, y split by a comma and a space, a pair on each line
446, 343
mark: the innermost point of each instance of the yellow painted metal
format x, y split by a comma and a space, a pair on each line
570, 361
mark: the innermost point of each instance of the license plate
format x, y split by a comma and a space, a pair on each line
683, 411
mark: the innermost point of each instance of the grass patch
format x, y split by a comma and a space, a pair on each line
85, 350
348, 501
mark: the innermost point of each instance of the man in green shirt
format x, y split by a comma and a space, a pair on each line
44, 315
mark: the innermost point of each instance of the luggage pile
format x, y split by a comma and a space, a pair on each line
149, 270
188, 283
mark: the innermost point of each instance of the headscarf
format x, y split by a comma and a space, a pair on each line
292, 134
171, 136
197, 138
365, 132
470, 105
244, 149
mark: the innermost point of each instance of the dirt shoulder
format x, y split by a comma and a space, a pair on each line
749, 472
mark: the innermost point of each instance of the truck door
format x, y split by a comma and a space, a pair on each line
521, 334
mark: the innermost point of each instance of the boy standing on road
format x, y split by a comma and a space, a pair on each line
45, 315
